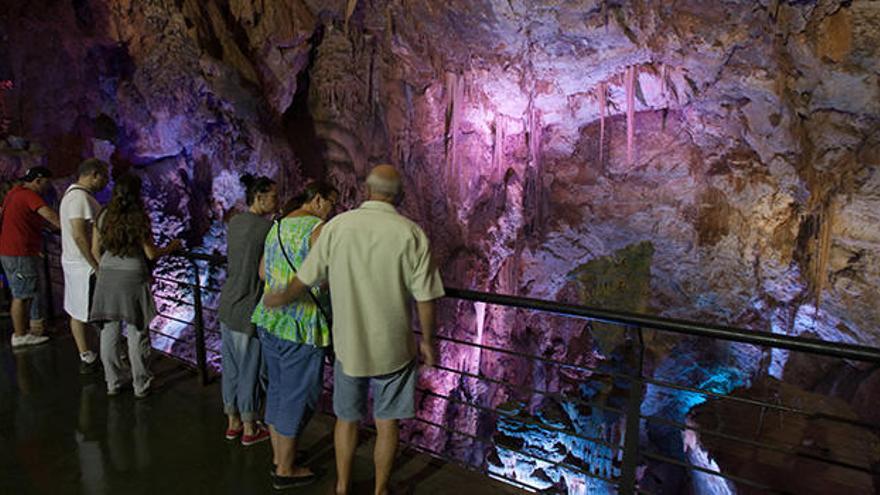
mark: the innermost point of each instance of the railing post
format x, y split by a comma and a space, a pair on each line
199, 325
633, 421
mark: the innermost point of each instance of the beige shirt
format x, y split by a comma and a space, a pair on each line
377, 261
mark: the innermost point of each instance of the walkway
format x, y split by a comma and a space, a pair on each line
61, 434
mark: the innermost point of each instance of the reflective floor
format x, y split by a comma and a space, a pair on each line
60, 434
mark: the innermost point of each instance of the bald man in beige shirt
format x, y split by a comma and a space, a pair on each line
377, 262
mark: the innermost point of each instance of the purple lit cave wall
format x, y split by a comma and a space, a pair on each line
713, 161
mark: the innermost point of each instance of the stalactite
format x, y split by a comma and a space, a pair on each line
498, 147
480, 313
823, 252
349, 10
603, 109
455, 99
629, 82
663, 77
535, 189
406, 147
450, 87
534, 136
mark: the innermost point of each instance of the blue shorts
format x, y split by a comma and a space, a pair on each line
295, 373
393, 394
23, 275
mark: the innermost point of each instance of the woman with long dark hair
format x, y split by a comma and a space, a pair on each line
241, 291
294, 337
123, 242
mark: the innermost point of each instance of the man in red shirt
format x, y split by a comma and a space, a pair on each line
23, 215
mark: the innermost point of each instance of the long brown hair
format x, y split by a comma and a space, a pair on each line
125, 224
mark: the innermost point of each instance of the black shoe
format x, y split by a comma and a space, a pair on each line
89, 368
301, 457
285, 482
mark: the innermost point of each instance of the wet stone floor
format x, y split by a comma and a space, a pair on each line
61, 434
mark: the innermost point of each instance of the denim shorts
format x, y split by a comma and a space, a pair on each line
295, 377
393, 394
23, 275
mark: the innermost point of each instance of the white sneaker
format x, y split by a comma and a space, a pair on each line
28, 339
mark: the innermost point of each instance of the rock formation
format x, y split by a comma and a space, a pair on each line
731, 150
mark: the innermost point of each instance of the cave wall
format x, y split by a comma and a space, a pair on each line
733, 146
751, 168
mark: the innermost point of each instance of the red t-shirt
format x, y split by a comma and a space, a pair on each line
20, 230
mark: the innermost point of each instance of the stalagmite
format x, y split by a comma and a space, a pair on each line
630, 112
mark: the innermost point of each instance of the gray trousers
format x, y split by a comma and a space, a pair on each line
116, 373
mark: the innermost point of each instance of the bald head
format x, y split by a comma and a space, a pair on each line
383, 183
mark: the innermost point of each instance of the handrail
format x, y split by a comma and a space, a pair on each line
687, 327
630, 449
721, 332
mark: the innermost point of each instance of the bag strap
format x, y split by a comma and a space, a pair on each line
294, 269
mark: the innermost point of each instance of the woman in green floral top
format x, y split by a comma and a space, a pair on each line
294, 338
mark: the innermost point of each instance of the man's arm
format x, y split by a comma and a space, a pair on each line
427, 346
286, 296
312, 271
50, 216
79, 226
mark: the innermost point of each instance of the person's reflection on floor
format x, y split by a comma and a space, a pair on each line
34, 370
142, 453
36, 379
128, 435
88, 440
118, 436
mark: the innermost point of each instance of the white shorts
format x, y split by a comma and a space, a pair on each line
77, 289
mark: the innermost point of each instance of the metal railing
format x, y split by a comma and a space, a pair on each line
625, 452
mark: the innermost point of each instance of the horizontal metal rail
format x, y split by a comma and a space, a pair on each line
533, 357
745, 481
174, 318
545, 393
458, 462
686, 327
759, 403
782, 449
521, 420
718, 332
625, 320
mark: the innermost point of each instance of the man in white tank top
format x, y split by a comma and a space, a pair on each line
78, 212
